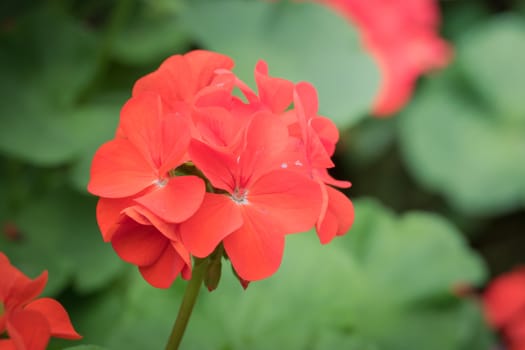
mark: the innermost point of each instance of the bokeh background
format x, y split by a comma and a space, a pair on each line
439, 187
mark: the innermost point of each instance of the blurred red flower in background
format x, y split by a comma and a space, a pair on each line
504, 302
402, 37
29, 322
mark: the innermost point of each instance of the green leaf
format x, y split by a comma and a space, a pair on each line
60, 234
492, 57
149, 37
300, 41
453, 146
386, 285
46, 60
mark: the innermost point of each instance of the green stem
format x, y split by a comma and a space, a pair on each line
188, 301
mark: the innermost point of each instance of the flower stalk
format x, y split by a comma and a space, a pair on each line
188, 302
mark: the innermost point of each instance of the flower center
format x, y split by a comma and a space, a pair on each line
161, 182
239, 196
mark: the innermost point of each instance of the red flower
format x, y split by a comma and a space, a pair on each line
183, 128
504, 302
402, 37
29, 322
261, 205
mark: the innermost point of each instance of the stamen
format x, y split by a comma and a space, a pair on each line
160, 182
239, 196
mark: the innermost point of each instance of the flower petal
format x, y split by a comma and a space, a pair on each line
217, 166
177, 200
138, 244
276, 93
56, 316
338, 218
161, 136
266, 139
180, 77
119, 170
505, 297
7, 344
109, 214
24, 289
170, 80
170, 231
290, 202
217, 217
255, 249
29, 330
163, 272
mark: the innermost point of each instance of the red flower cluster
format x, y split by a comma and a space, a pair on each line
29, 322
504, 302
193, 165
401, 35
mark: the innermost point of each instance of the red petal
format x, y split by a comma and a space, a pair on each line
176, 201
327, 131
10, 276
217, 166
119, 170
180, 77
29, 330
505, 297
216, 218
255, 249
204, 64
7, 344
324, 176
56, 316
289, 202
306, 99
140, 121
161, 137
109, 214
24, 290
171, 80
266, 139
218, 127
327, 228
170, 231
516, 330
276, 93
163, 272
339, 216
138, 244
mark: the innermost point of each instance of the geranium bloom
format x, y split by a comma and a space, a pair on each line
29, 322
262, 203
184, 131
402, 37
504, 302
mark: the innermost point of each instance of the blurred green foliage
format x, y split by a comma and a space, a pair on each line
391, 283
